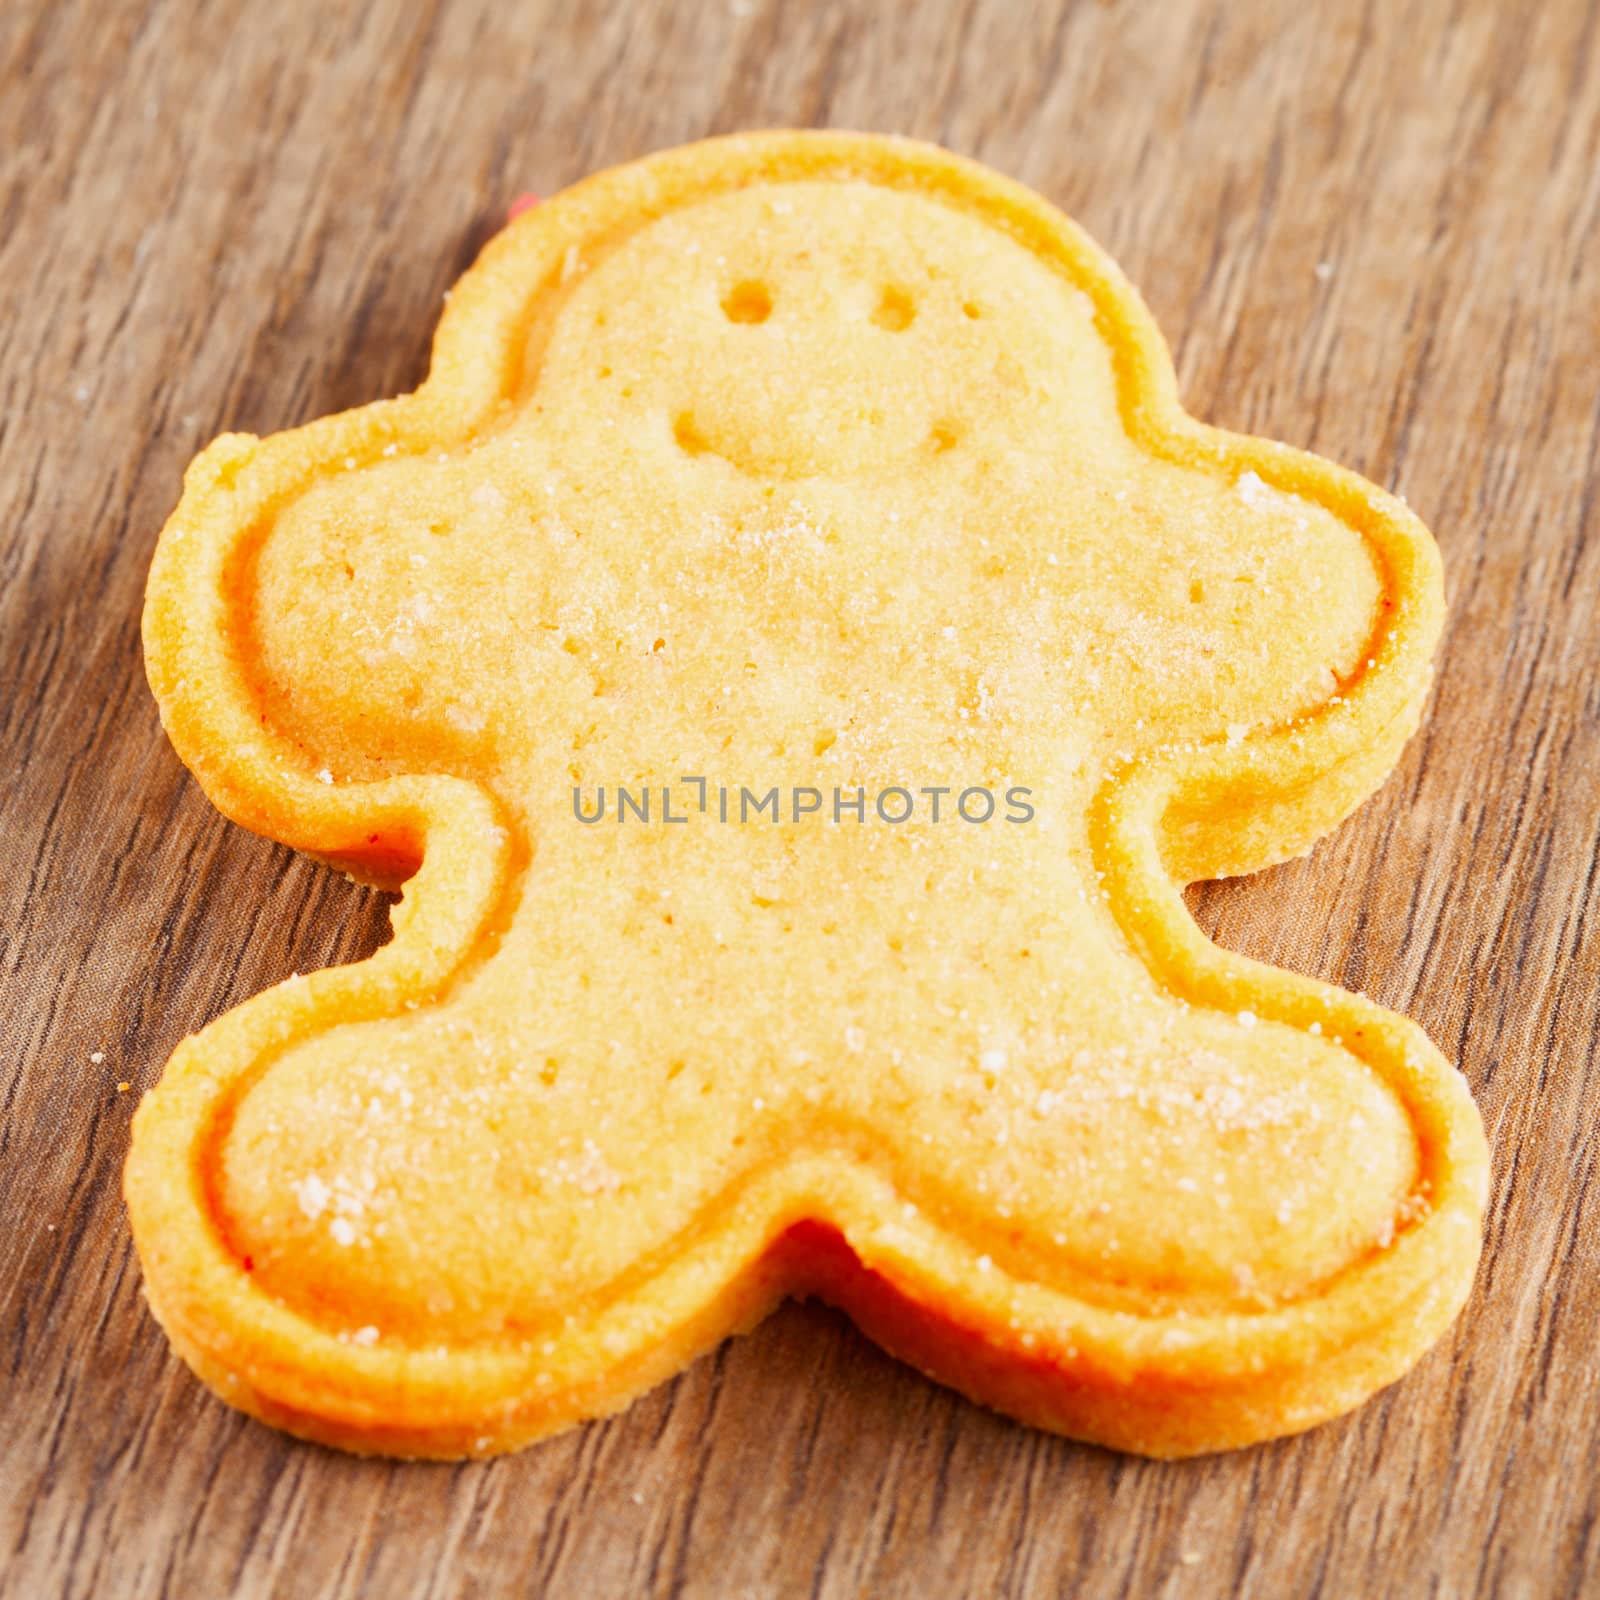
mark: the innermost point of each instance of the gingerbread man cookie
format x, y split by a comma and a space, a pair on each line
793, 650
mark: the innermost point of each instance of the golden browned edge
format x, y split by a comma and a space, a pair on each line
803, 1222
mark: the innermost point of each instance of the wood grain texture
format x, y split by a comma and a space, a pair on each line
1369, 229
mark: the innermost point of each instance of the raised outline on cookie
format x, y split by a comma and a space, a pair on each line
1159, 1385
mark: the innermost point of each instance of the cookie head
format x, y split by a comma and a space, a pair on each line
806, 649
790, 335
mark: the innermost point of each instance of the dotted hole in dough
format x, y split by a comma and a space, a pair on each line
896, 309
750, 301
690, 439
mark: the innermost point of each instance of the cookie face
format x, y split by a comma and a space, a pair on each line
795, 648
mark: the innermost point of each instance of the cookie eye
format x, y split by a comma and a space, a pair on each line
750, 301
895, 309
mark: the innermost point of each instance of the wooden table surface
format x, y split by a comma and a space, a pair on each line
1369, 229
